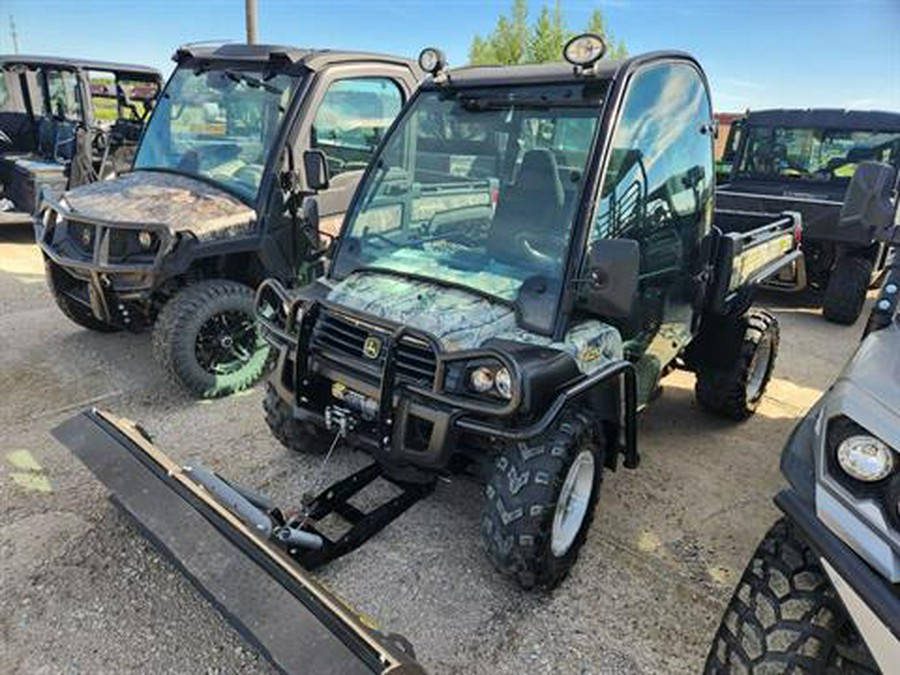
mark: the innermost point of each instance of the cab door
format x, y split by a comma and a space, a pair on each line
658, 190
350, 110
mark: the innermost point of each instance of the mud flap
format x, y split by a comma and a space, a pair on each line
290, 618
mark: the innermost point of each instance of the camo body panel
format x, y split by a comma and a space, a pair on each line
461, 320
180, 203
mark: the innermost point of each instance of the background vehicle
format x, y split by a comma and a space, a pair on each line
66, 122
515, 273
214, 202
821, 594
803, 160
727, 141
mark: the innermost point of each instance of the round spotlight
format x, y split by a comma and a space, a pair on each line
584, 50
503, 383
865, 458
432, 60
482, 379
145, 239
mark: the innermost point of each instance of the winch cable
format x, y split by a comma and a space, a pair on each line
310, 494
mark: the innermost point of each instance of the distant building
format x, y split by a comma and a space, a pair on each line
725, 120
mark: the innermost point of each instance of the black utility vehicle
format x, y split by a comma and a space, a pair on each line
241, 134
66, 122
803, 160
531, 250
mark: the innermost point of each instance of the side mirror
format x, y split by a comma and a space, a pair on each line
315, 164
868, 203
612, 278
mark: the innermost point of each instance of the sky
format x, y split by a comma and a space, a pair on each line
757, 53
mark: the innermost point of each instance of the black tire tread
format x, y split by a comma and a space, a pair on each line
174, 354
784, 616
521, 497
75, 312
845, 294
290, 432
724, 391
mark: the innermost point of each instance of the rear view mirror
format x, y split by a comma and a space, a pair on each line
612, 278
868, 203
315, 164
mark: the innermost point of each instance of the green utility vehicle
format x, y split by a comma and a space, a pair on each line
803, 160
530, 251
64, 123
822, 592
213, 205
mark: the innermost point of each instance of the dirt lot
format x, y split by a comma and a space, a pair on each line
82, 593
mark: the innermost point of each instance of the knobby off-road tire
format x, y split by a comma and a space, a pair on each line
191, 339
74, 311
290, 432
845, 294
523, 493
735, 393
785, 617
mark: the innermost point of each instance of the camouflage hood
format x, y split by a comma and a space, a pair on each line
181, 203
462, 320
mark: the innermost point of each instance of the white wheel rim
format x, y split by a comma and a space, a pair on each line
759, 368
572, 505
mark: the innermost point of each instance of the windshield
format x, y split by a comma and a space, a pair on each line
477, 188
818, 155
218, 125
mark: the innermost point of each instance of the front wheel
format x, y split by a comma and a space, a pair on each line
735, 392
845, 294
206, 339
73, 310
785, 617
540, 503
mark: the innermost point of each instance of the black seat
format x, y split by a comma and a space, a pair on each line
533, 205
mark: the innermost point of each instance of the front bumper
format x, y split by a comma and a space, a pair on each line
417, 424
91, 271
875, 592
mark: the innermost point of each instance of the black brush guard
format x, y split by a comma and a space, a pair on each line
292, 620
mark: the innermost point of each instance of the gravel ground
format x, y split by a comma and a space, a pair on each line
83, 593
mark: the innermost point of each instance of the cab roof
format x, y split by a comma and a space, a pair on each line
311, 59
547, 73
30, 61
826, 118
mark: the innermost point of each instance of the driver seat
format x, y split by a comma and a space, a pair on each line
533, 204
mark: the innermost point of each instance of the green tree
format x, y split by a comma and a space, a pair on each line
513, 41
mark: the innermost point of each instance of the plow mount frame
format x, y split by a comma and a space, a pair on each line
283, 611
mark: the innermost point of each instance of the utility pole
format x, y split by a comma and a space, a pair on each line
250, 11
15, 36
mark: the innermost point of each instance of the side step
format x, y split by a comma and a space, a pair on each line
276, 605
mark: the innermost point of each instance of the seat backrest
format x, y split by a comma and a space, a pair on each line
46, 136
535, 202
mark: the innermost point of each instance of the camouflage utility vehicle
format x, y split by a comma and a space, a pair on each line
822, 593
531, 249
66, 122
803, 160
241, 134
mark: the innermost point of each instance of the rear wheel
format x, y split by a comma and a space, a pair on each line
75, 311
785, 617
206, 339
845, 294
292, 433
540, 503
735, 392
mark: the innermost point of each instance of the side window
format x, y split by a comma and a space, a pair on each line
62, 87
5, 96
351, 120
660, 172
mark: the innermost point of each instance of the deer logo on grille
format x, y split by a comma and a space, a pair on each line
371, 347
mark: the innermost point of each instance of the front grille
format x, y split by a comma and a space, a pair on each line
81, 236
339, 338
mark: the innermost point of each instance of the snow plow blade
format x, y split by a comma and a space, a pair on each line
289, 617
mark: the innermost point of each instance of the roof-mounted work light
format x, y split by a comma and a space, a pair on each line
584, 50
432, 60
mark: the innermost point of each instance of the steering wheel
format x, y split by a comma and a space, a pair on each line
544, 249
99, 141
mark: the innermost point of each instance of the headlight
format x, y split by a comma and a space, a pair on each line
482, 379
865, 458
503, 383
145, 239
